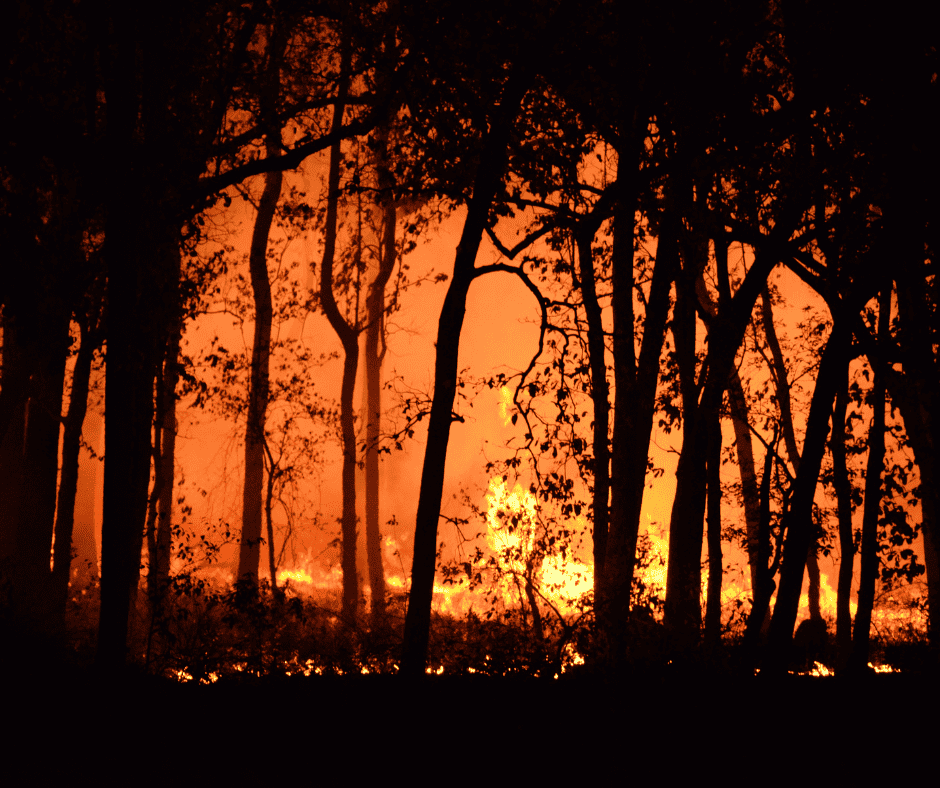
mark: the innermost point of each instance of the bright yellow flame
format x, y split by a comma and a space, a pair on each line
512, 531
295, 575
505, 405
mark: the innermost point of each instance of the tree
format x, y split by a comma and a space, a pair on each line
494, 107
249, 548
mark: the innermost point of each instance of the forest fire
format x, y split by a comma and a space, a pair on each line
350, 346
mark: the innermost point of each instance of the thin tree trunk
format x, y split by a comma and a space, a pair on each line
843, 490
764, 586
782, 389
349, 337
715, 569
84, 540
635, 380
160, 511
249, 552
683, 575
68, 484
873, 491
489, 175
373, 362
164, 541
268, 503
798, 519
750, 491
683, 611
600, 391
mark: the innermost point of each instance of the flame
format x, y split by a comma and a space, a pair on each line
512, 534
505, 405
294, 575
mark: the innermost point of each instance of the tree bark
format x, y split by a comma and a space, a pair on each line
683, 575
782, 389
750, 492
68, 483
373, 363
843, 490
249, 550
715, 569
635, 380
135, 256
764, 586
683, 611
349, 337
489, 175
798, 519
600, 391
873, 490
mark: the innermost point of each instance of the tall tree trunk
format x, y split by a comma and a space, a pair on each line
750, 489
635, 380
130, 357
84, 538
798, 519
349, 337
160, 514
68, 484
750, 492
843, 490
782, 389
164, 539
715, 569
600, 391
269, 525
249, 551
764, 586
683, 611
373, 363
873, 491
683, 574
489, 176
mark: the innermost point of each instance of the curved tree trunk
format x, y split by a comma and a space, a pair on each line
349, 337
249, 550
489, 175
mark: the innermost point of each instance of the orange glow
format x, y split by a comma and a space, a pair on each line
513, 525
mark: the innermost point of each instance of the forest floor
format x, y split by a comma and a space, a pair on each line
281, 728
271, 691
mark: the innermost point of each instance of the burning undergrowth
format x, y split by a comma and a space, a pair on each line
209, 631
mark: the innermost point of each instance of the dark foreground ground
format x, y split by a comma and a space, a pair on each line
502, 731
